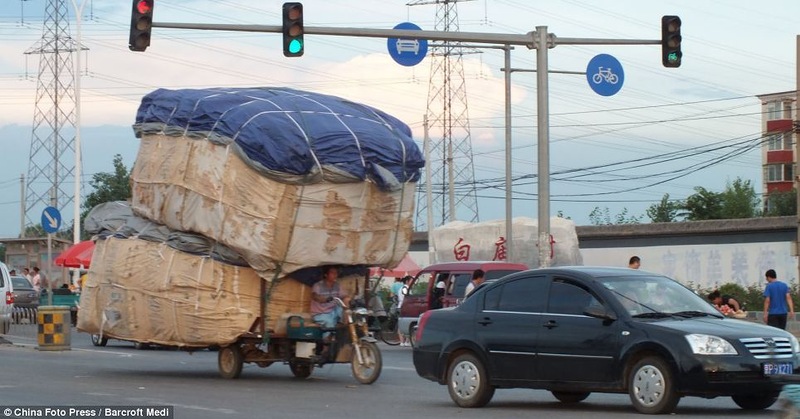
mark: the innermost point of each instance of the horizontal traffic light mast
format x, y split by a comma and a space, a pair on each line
528, 40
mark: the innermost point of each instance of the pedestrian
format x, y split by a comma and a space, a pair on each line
324, 309
777, 301
37, 279
477, 279
12, 272
401, 295
27, 274
634, 262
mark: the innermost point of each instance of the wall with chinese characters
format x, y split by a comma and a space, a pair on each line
706, 265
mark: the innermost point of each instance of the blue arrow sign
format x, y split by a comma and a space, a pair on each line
51, 220
604, 74
407, 52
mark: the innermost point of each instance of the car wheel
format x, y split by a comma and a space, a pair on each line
570, 397
755, 401
98, 341
651, 387
468, 382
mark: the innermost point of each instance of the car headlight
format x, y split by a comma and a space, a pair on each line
795, 344
710, 345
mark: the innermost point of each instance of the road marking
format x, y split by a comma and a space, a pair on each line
399, 368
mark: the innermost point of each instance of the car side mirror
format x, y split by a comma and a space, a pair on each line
600, 312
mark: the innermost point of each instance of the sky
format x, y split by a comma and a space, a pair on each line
667, 131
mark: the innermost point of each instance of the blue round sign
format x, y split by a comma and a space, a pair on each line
605, 75
51, 220
407, 52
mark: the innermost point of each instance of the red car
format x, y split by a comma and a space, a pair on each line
456, 277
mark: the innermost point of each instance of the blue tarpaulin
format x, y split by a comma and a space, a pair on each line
305, 136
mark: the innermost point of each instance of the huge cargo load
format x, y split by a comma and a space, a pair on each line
288, 179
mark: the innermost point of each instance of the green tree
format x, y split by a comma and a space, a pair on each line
603, 217
739, 200
781, 203
702, 205
108, 187
665, 211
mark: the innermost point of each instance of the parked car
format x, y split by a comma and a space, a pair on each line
26, 300
456, 277
578, 330
6, 300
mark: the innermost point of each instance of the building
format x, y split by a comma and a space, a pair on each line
777, 155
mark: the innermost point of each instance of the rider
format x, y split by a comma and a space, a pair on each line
324, 310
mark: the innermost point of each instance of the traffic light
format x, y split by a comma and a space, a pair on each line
671, 41
293, 29
141, 25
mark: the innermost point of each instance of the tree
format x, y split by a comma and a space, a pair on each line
781, 203
739, 200
702, 205
603, 217
108, 187
665, 211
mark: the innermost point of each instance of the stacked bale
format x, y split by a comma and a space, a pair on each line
237, 193
288, 179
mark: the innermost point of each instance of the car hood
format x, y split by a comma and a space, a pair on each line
725, 328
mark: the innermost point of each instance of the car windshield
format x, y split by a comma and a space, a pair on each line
657, 297
20, 282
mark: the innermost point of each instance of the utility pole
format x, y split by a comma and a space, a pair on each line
797, 153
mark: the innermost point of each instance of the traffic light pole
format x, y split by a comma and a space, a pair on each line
539, 40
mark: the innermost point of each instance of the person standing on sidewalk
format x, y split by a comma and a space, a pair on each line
777, 301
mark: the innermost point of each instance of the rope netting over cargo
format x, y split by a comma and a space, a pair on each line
290, 135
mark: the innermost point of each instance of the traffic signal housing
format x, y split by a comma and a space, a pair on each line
293, 44
141, 25
671, 41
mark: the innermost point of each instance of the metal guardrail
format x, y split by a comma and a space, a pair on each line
18, 321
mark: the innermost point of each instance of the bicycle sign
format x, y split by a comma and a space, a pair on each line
605, 75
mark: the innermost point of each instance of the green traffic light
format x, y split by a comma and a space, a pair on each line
672, 57
295, 46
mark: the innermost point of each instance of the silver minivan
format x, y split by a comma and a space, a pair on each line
6, 299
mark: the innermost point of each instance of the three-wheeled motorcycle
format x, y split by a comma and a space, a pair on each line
303, 347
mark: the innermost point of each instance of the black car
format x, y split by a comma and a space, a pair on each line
578, 330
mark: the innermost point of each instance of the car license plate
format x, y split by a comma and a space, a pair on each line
778, 368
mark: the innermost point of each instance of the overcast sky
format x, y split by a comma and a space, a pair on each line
697, 125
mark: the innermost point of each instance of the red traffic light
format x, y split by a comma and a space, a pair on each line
144, 6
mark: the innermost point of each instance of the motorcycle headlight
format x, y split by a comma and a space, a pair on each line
710, 345
795, 344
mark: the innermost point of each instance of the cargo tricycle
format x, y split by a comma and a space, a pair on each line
305, 345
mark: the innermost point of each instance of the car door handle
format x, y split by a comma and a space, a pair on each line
551, 324
485, 322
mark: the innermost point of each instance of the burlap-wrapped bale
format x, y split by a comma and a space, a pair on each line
199, 186
148, 292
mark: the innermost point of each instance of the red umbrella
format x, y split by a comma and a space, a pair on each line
407, 266
77, 256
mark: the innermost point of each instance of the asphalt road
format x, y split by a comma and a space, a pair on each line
121, 375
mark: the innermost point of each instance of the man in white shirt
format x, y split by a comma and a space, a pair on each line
477, 279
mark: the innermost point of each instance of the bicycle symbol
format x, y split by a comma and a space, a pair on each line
604, 74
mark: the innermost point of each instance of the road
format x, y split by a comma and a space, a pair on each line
121, 375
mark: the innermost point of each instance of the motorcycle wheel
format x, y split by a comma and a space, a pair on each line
301, 369
370, 370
